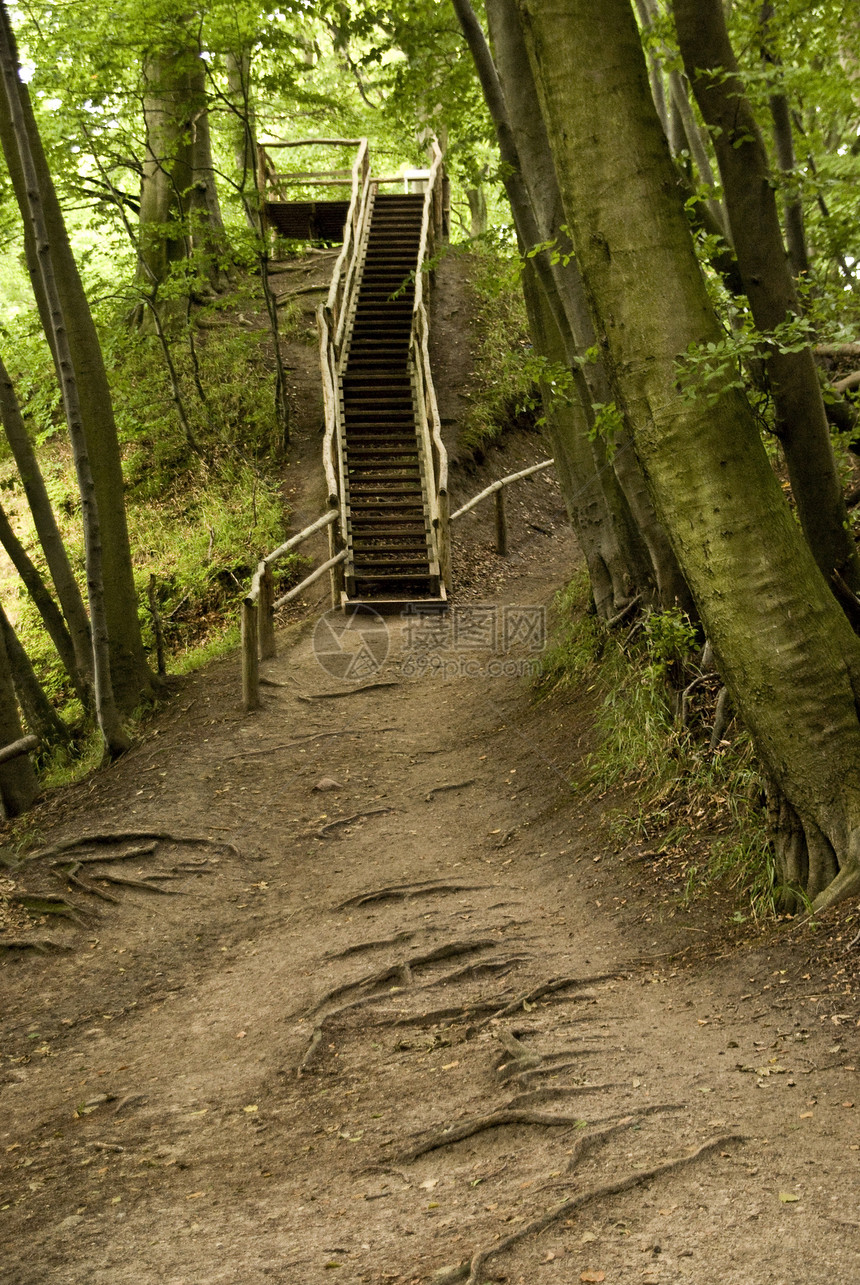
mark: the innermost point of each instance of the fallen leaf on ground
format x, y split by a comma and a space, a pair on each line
788, 1197
592, 1276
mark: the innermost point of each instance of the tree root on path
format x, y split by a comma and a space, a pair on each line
492, 1120
397, 940
313, 736
41, 944
548, 988
403, 968
127, 836
352, 691
403, 892
323, 832
454, 785
471, 1270
537, 1096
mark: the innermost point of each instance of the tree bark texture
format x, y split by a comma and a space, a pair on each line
39, 714
62, 321
785, 650
645, 545
18, 785
65, 584
801, 422
130, 675
179, 206
593, 496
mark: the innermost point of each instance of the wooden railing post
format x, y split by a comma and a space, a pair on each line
501, 523
250, 656
443, 538
265, 614
335, 544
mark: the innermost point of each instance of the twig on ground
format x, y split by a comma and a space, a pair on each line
455, 785
323, 832
314, 736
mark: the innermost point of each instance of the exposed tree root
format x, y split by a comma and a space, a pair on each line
323, 832
88, 858
353, 691
128, 836
455, 785
70, 874
471, 1270
313, 736
548, 988
537, 1096
41, 944
404, 891
457, 1014
362, 946
500, 964
552, 1068
493, 1120
401, 971
124, 882
46, 904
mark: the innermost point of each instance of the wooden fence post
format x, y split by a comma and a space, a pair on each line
250, 657
501, 523
444, 538
265, 615
335, 544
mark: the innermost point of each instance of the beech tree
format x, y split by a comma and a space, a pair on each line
784, 648
121, 675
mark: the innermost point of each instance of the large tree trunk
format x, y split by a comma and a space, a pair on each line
801, 422
179, 207
130, 675
626, 493
243, 132
57, 558
626, 568
785, 650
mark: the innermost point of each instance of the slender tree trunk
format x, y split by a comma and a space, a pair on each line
57, 558
243, 131
132, 680
801, 422
786, 652
50, 613
13, 95
39, 714
18, 785
783, 139
584, 497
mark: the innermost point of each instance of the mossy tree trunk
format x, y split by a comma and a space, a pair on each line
650, 553
18, 785
62, 322
131, 678
800, 418
784, 648
179, 207
65, 584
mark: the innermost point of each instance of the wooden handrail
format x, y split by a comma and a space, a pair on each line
498, 485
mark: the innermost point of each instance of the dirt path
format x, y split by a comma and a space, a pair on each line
290, 1070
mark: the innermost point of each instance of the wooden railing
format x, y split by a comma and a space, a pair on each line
259, 606
498, 490
429, 424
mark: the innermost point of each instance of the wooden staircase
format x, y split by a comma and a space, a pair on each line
390, 548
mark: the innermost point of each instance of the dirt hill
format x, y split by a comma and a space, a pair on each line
360, 989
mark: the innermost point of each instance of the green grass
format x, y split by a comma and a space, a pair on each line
678, 790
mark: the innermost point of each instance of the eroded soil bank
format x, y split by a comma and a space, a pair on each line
394, 1001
